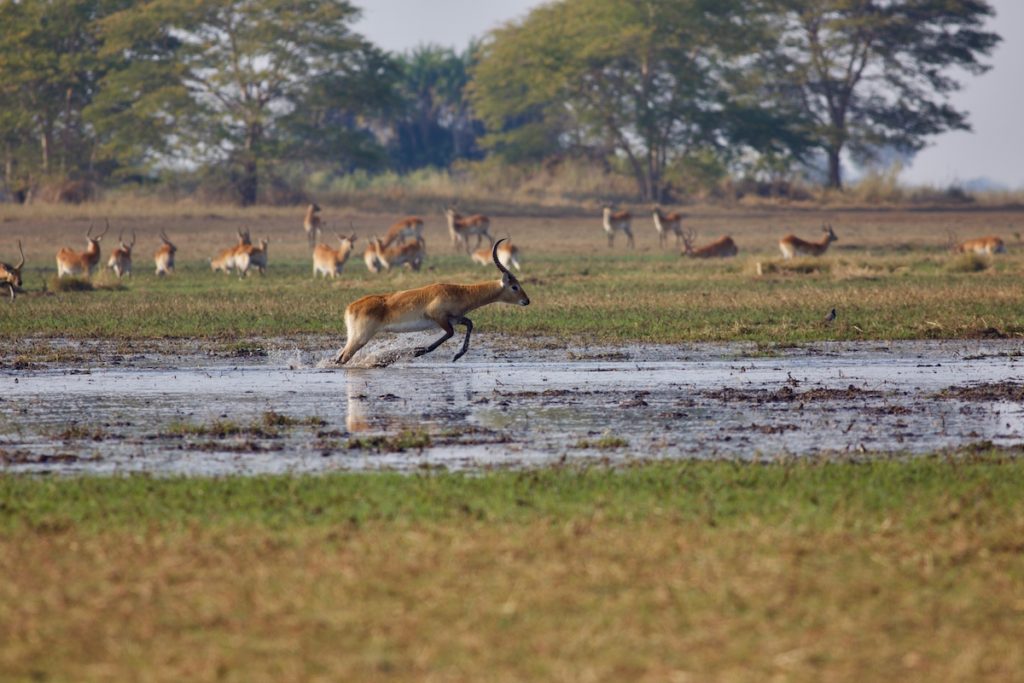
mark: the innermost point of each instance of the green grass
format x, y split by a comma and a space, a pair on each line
821, 494
612, 298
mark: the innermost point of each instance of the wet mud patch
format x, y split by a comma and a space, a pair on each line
995, 391
164, 411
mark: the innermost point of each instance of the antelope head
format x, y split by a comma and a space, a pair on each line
827, 229
167, 242
94, 241
511, 291
12, 274
126, 247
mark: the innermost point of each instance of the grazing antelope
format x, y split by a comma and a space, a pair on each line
508, 254
70, 262
225, 259
330, 261
164, 256
791, 244
462, 227
410, 254
979, 245
723, 247
615, 221
666, 223
10, 276
311, 224
120, 260
411, 228
434, 306
252, 256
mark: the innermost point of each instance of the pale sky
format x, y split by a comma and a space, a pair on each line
995, 101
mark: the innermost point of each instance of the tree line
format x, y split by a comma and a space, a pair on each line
671, 92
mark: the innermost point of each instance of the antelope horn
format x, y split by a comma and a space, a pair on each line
120, 236
105, 229
88, 233
494, 257
18, 267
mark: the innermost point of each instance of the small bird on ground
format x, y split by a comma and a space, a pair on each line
830, 318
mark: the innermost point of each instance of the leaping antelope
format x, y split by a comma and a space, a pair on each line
434, 306
225, 259
70, 262
164, 256
10, 276
615, 221
311, 224
120, 260
791, 244
252, 256
329, 261
508, 254
410, 254
723, 247
979, 245
666, 223
411, 228
462, 227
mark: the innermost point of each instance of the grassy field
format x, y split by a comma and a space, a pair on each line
889, 276
690, 571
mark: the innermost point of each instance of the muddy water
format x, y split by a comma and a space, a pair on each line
287, 412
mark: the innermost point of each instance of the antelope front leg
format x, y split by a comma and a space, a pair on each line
448, 332
465, 344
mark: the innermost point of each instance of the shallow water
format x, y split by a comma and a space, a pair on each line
508, 408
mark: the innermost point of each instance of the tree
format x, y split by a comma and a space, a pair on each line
870, 74
242, 81
434, 124
652, 81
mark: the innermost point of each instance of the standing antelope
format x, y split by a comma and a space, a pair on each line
410, 254
164, 256
252, 256
411, 227
311, 224
225, 259
370, 258
10, 276
979, 245
70, 262
330, 261
462, 227
120, 260
791, 244
723, 247
665, 223
508, 254
434, 306
615, 221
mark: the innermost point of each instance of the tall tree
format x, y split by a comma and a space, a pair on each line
252, 79
649, 80
871, 74
434, 125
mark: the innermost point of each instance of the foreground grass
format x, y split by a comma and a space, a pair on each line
684, 571
612, 298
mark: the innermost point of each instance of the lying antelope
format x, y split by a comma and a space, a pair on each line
979, 245
10, 276
508, 254
724, 247
615, 221
410, 254
407, 228
120, 260
164, 256
434, 306
461, 228
311, 224
666, 223
225, 259
252, 256
70, 262
791, 245
330, 261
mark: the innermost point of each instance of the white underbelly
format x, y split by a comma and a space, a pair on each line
416, 325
